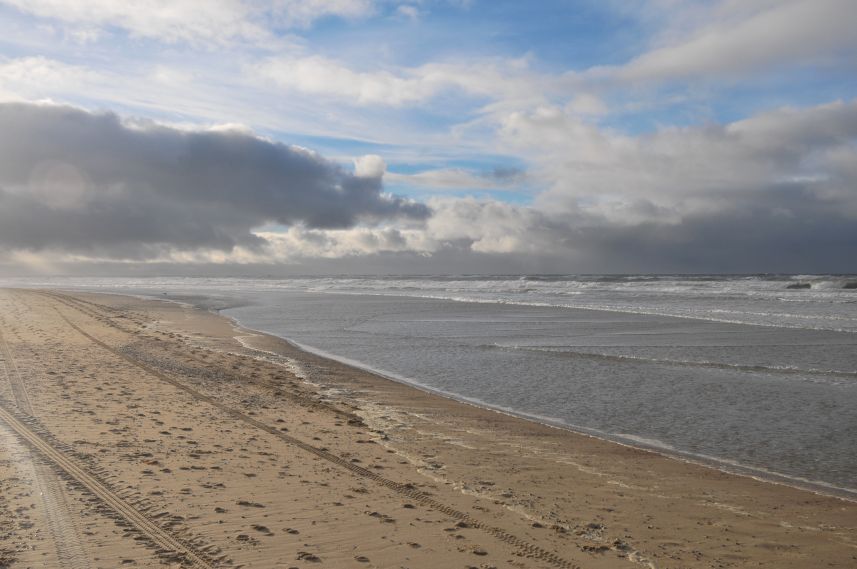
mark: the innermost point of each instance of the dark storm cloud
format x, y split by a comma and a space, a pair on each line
76, 181
792, 227
789, 228
776, 193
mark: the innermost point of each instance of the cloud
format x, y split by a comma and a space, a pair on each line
94, 184
369, 166
409, 12
773, 192
302, 13
490, 79
769, 192
586, 104
460, 179
302, 244
180, 92
34, 76
194, 21
487, 226
787, 227
731, 38
675, 172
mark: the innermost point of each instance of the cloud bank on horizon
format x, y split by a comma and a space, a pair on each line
428, 136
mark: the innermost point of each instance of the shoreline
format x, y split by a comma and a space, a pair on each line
719, 464
228, 447
630, 441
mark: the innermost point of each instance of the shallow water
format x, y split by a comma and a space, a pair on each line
778, 399
737, 369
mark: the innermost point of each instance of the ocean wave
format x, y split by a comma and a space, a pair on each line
759, 300
747, 368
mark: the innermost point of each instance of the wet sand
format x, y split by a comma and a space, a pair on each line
140, 433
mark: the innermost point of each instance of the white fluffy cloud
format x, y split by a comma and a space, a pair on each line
369, 166
33, 77
679, 171
736, 37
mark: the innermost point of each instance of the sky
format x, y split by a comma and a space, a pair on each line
285, 137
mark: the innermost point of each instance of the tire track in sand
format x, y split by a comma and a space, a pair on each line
29, 431
61, 522
22, 422
527, 549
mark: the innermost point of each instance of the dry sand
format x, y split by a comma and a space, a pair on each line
139, 433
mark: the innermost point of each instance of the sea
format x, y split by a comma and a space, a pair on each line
754, 374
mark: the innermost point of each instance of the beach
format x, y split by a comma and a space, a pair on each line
142, 433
